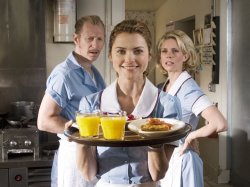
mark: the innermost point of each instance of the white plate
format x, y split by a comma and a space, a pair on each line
135, 126
130, 121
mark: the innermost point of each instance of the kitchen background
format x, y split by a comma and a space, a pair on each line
28, 53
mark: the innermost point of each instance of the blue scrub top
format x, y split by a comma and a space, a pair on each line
69, 82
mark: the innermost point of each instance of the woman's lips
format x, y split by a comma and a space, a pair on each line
129, 67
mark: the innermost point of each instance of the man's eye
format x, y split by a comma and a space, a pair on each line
90, 39
100, 39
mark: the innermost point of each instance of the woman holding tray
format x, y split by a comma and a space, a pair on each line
129, 52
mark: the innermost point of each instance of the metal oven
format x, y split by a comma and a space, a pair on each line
25, 155
21, 161
16, 140
19, 141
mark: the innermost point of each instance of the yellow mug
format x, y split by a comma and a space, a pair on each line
88, 123
113, 125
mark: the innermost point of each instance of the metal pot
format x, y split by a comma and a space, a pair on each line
18, 122
21, 109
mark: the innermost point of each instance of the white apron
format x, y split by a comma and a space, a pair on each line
184, 171
173, 175
68, 174
100, 183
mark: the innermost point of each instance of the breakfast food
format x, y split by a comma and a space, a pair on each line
154, 124
130, 117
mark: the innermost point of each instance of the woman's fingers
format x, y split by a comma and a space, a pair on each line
68, 124
190, 144
183, 148
195, 146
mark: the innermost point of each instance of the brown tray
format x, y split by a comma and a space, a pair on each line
131, 139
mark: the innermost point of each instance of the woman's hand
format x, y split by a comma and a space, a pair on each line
190, 143
67, 126
85, 157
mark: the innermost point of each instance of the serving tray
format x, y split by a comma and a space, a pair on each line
131, 139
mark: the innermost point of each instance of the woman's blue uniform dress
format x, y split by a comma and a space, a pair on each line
129, 165
187, 170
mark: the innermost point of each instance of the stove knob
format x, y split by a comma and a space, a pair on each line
18, 178
13, 143
27, 143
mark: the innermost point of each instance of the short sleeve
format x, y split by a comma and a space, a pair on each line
57, 89
193, 100
201, 104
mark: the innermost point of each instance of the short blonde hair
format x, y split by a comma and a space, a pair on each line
185, 44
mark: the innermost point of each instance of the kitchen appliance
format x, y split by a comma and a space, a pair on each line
21, 163
25, 176
23, 108
19, 140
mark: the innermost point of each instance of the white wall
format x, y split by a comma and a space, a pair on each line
55, 52
214, 150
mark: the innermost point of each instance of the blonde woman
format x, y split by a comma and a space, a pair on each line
176, 57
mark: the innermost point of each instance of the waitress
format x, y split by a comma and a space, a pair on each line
129, 51
176, 57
